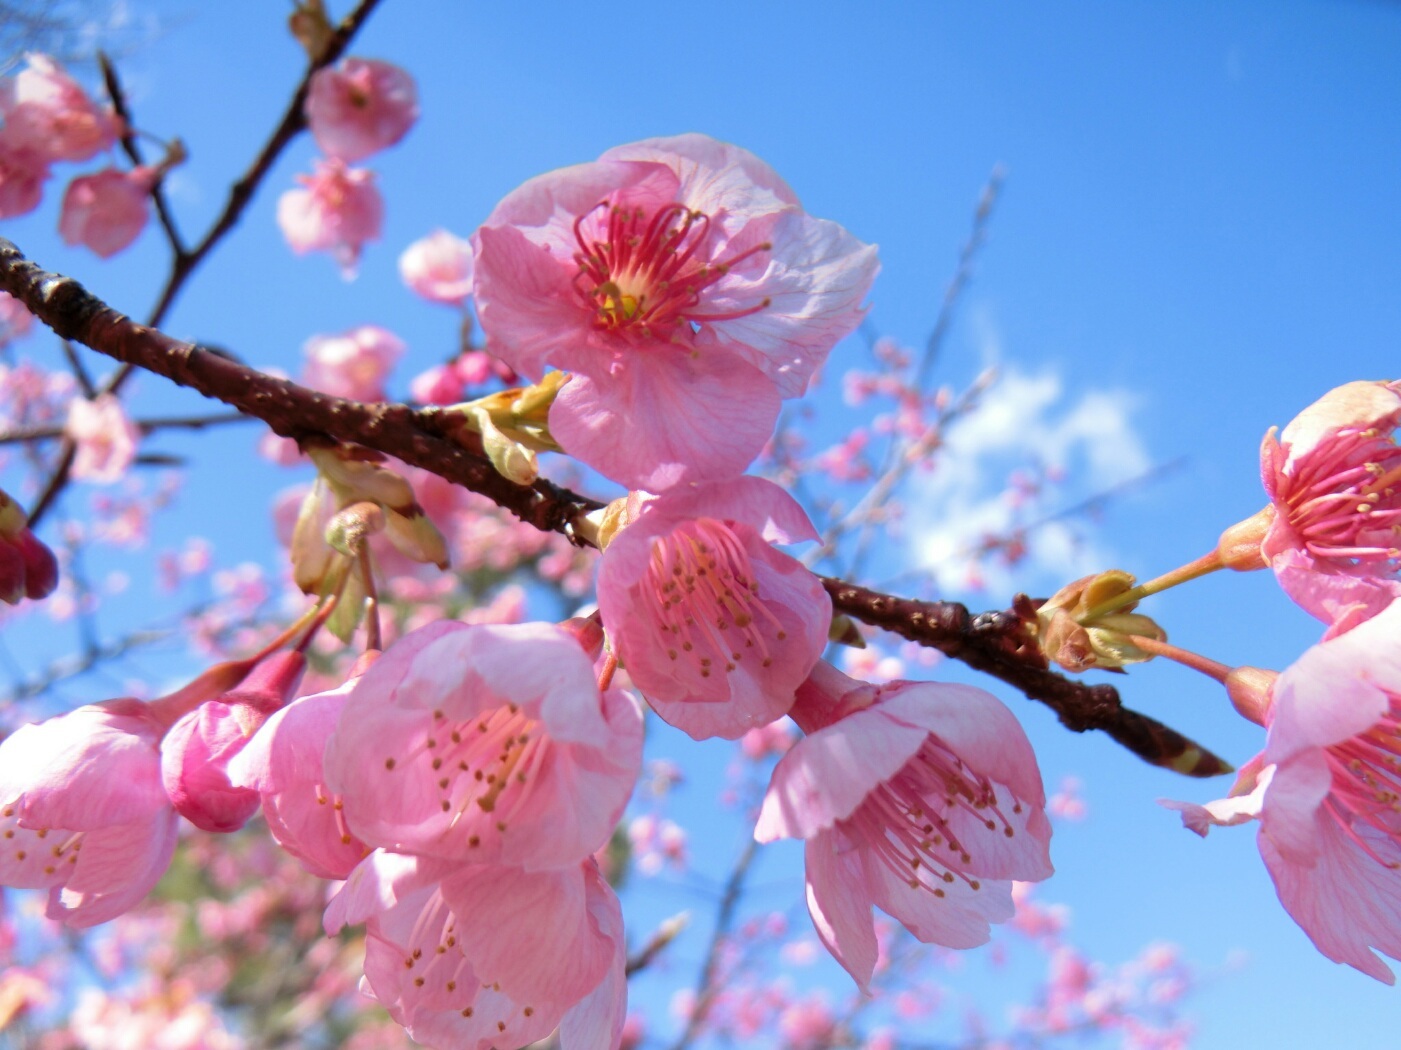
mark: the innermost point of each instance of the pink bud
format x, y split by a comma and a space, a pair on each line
11, 573
438, 267
440, 385
40, 565
106, 211
196, 751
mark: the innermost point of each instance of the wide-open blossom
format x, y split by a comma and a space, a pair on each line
439, 268
485, 744
108, 210
1327, 791
359, 107
45, 110
684, 287
105, 438
481, 957
715, 627
921, 798
337, 210
353, 364
1334, 480
285, 764
82, 810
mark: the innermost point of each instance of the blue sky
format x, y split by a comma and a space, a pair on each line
1200, 233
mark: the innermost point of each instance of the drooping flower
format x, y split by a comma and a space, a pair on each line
682, 284
1327, 789
439, 268
28, 569
921, 798
353, 364
715, 627
45, 110
108, 210
1332, 532
198, 748
104, 436
479, 957
487, 744
359, 107
82, 810
285, 764
337, 210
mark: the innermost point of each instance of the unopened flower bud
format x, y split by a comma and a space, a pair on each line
1069, 639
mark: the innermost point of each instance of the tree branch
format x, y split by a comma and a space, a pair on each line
995, 643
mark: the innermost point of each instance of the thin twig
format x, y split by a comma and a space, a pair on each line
184, 263
146, 426
724, 919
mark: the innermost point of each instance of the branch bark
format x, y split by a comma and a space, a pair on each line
994, 643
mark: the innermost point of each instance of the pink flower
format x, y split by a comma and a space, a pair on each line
715, 627
683, 285
439, 268
105, 437
338, 211
196, 752
354, 364
477, 957
83, 812
46, 111
921, 798
1327, 790
285, 764
439, 385
106, 211
487, 744
23, 173
360, 107
1334, 480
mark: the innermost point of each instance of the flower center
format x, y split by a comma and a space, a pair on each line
701, 590
1345, 501
649, 276
1367, 786
904, 821
484, 768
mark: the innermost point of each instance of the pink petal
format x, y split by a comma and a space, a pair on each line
839, 906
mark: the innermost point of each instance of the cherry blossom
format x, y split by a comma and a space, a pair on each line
108, 210
83, 812
23, 173
715, 627
105, 438
1327, 789
285, 764
682, 284
485, 744
438, 268
547, 952
45, 110
196, 751
359, 107
353, 364
15, 319
941, 810
337, 210
1331, 531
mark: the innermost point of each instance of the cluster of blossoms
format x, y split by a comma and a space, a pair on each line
354, 109
687, 294
47, 119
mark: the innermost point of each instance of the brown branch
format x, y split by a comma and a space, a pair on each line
184, 263
993, 643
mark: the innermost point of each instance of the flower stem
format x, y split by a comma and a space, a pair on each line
1207, 563
1197, 662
